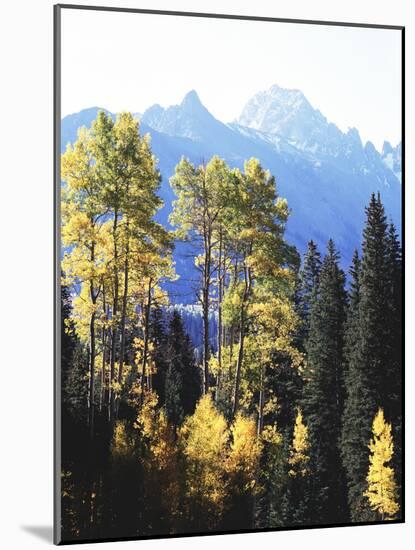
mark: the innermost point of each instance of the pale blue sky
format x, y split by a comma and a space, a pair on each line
124, 61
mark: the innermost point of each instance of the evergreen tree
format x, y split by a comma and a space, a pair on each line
323, 389
269, 505
74, 387
394, 364
183, 383
307, 284
373, 376
285, 384
173, 384
375, 295
394, 272
352, 325
68, 338
158, 337
358, 403
74, 363
353, 319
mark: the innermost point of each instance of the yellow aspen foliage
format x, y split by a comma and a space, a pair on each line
147, 418
159, 435
164, 461
231, 303
298, 459
382, 491
162, 446
121, 444
160, 458
204, 437
272, 458
244, 454
271, 436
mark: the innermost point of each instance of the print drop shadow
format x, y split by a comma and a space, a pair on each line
43, 532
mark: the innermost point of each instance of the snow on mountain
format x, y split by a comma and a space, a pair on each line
287, 113
281, 111
285, 118
392, 158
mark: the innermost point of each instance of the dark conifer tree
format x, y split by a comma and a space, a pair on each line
358, 404
285, 383
352, 324
394, 365
183, 381
323, 390
68, 339
373, 368
158, 336
74, 362
308, 278
375, 301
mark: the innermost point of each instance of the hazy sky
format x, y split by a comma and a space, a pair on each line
128, 61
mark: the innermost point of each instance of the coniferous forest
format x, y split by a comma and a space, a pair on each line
280, 406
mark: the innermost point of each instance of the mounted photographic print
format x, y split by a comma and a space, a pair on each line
229, 298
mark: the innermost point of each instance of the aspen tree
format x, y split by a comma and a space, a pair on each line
201, 197
299, 457
382, 490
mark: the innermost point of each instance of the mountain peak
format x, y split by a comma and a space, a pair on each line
287, 113
387, 148
276, 102
191, 99
189, 119
285, 93
354, 136
370, 149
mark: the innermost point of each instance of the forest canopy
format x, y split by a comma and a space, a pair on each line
288, 412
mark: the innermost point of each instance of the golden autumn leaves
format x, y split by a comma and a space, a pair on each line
115, 254
207, 459
219, 460
382, 490
117, 257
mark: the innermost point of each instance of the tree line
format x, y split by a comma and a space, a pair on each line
294, 418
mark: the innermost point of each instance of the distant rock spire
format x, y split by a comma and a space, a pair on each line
191, 99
